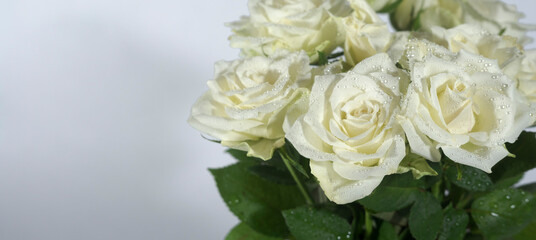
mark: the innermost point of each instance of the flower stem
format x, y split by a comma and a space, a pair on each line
285, 157
355, 230
464, 200
368, 225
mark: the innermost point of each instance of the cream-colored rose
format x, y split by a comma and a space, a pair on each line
475, 39
523, 70
248, 99
494, 15
349, 131
512, 59
309, 25
461, 103
366, 33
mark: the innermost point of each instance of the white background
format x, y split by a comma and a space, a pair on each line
94, 97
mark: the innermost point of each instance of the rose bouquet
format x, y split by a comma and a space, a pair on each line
343, 129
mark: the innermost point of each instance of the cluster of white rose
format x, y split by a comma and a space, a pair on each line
463, 84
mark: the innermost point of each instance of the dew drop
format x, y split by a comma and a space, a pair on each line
512, 206
494, 214
508, 197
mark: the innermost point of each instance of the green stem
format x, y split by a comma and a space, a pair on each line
354, 222
464, 200
284, 156
436, 190
368, 225
403, 234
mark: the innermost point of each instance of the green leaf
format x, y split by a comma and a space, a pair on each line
241, 156
503, 213
387, 232
531, 187
524, 151
322, 59
455, 222
272, 174
502, 31
417, 165
425, 218
255, 201
430, 181
472, 179
508, 182
395, 192
243, 232
308, 223
528, 233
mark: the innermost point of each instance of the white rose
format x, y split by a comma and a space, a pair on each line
461, 103
524, 71
497, 16
494, 15
248, 99
350, 131
309, 25
475, 39
366, 33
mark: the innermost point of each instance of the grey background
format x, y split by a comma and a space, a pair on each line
94, 97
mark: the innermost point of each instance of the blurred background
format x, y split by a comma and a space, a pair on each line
94, 97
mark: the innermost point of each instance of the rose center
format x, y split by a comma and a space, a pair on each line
456, 107
359, 116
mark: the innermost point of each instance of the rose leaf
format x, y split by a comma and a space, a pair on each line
309, 223
503, 212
